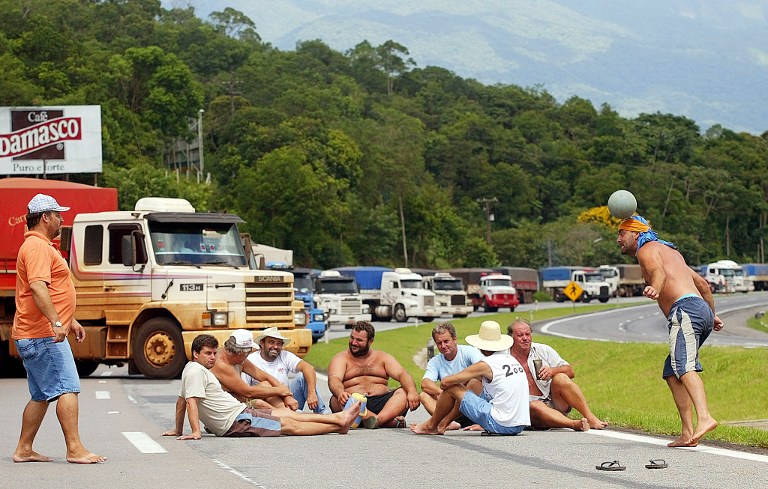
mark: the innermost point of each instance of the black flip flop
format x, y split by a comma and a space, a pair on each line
610, 466
658, 463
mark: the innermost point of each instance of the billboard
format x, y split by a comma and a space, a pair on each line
50, 140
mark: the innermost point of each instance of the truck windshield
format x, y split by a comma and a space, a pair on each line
196, 243
499, 282
410, 284
302, 284
593, 277
344, 286
608, 273
454, 284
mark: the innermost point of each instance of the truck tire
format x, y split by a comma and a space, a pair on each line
604, 299
487, 308
586, 298
460, 316
399, 314
86, 367
158, 349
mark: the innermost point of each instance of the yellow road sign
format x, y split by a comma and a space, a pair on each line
573, 291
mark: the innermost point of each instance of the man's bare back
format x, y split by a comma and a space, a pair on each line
667, 275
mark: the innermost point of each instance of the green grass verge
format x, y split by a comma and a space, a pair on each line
760, 324
621, 381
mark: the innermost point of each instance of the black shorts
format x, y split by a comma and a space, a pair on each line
376, 403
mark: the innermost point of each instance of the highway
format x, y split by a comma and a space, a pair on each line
123, 416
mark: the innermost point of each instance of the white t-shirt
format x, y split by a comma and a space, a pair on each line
285, 363
217, 409
439, 368
508, 390
550, 358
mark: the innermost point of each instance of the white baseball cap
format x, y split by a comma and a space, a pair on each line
243, 339
44, 203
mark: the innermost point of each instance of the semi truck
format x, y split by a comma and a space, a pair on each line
148, 281
394, 293
450, 296
555, 279
631, 282
757, 273
339, 296
725, 276
304, 290
487, 289
524, 280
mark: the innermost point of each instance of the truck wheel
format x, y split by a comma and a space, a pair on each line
460, 316
487, 308
604, 300
399, 314
86, 367
158, 349
585, 298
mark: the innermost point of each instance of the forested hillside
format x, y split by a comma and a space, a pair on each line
361, 157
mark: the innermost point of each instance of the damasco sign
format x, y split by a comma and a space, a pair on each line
38, 140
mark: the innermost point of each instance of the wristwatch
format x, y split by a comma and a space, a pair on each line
57, 324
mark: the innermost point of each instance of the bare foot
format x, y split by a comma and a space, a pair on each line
31, 457
86, 458
474, 427
596, 423
583, 425
453, 425
702, 428
348, 416
681, 441
422, 429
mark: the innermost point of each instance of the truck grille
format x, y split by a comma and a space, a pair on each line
351, 306
429, 301
458, 300
269, 304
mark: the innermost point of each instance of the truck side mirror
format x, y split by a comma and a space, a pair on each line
128, 248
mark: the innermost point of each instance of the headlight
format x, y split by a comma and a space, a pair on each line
318, 317
214, 318
300, 318
366, 309
331, 311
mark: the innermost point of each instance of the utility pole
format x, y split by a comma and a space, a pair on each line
489, 217
200, 144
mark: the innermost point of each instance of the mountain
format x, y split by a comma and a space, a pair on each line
707, 60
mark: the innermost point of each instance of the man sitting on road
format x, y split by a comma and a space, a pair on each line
203, 399
232, 361
503, 409
453, 358
552, 393
362, 370
272, 359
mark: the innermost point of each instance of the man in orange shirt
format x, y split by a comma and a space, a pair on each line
45, 307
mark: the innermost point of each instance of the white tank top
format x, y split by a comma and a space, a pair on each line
508, 390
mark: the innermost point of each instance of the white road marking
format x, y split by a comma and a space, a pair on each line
143, 442
103, 395
106, 373
663, 442
322, 377
113, 412
237, 473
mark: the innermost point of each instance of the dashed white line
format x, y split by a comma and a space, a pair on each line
103, 395
143, 442
237, 473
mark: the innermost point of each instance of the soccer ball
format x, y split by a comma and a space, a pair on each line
622, 204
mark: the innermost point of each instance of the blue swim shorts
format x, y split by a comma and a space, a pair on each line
690, 322
50, 367
479, 410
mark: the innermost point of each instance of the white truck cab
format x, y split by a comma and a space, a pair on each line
339, 296
402, 291
450, 297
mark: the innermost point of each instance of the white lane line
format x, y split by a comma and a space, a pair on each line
106, 373
322, 377
143, 442
237, 473
103, 395
662, 442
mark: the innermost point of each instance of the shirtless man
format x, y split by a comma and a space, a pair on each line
365, 371
232, 361
552, 394
684, 297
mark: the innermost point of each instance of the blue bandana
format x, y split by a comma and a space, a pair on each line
649, 235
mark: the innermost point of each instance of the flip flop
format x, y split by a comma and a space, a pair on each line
658, 463
610, 466
371, 423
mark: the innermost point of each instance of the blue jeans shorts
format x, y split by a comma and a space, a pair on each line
479, 410
50, 367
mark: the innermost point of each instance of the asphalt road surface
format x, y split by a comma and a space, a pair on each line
123, 416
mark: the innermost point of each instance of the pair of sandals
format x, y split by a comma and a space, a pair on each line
615, 466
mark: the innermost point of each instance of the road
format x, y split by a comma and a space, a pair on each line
122, 417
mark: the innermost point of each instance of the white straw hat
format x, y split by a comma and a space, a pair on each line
490, 338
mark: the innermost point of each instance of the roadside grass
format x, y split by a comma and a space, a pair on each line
621, 381
758, 323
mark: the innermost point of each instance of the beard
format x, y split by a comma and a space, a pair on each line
361, 352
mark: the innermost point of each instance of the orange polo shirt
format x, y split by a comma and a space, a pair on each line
40, 260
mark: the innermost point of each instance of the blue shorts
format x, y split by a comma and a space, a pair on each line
255, 422
479, 410
50, 367
690, 322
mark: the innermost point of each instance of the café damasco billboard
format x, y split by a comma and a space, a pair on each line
50, 140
